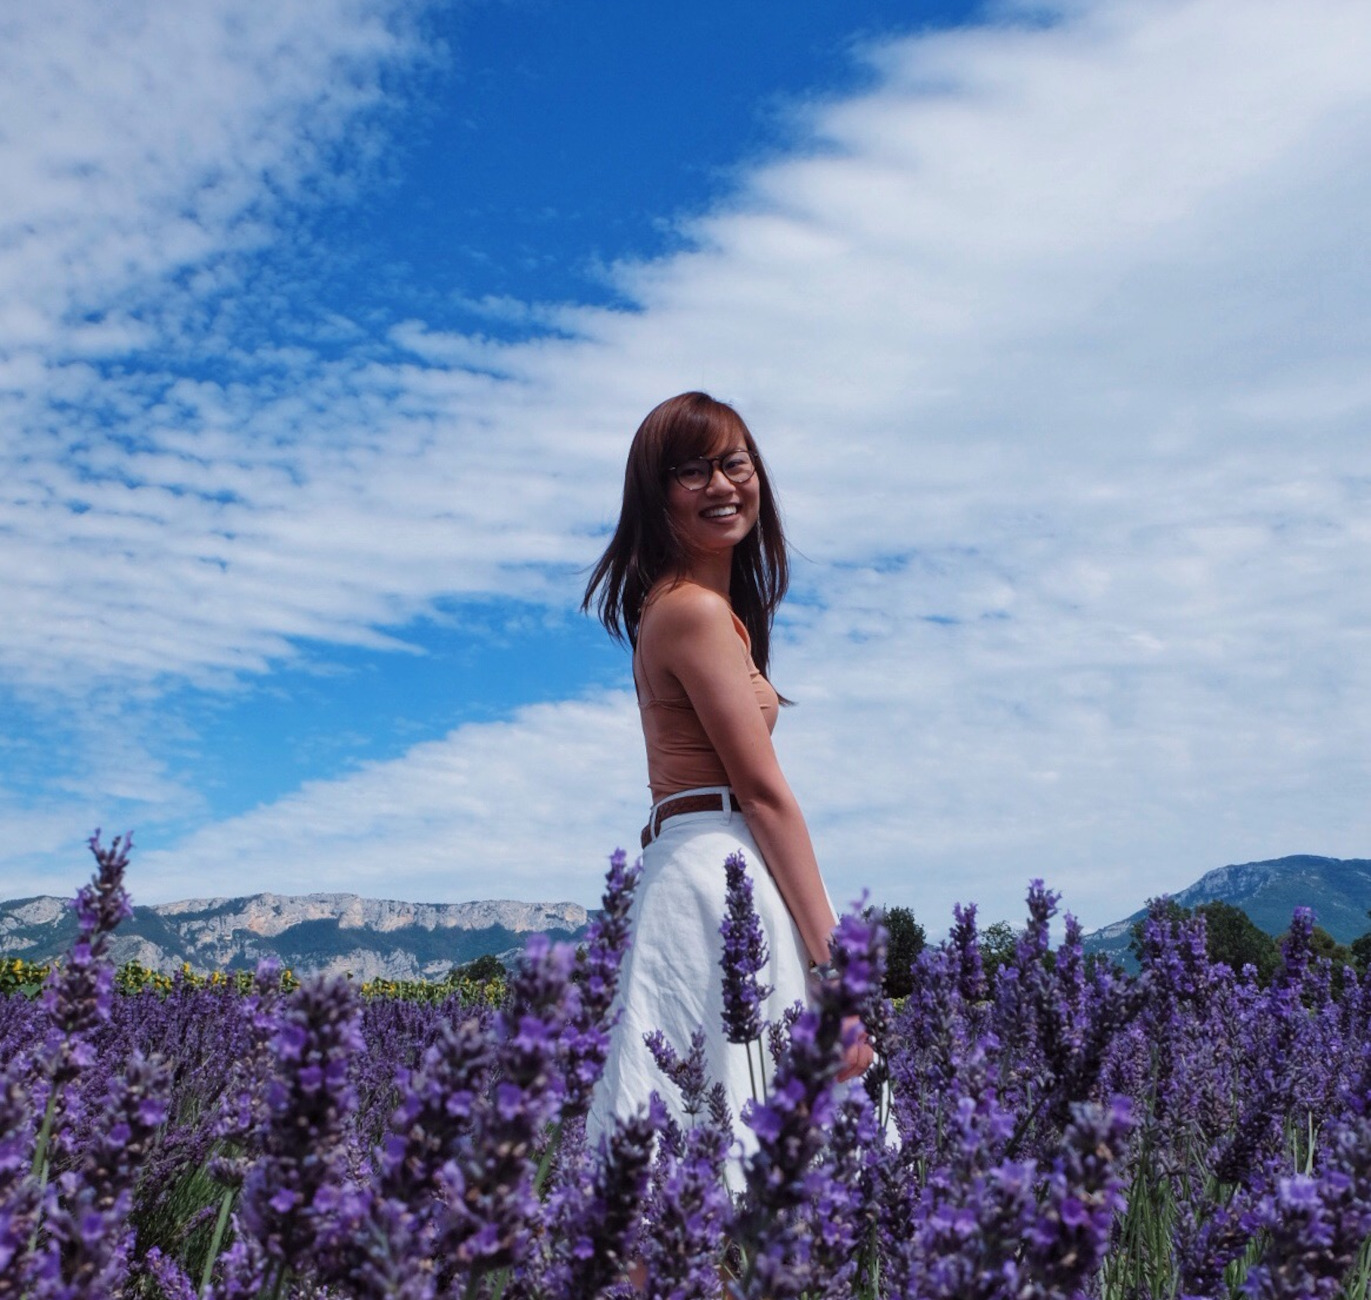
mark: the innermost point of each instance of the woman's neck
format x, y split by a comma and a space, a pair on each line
714, 571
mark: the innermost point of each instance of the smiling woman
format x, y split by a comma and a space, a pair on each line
693, 576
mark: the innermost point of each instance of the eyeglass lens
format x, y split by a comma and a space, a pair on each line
737, 467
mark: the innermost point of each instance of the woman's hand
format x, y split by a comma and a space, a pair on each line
857, 1055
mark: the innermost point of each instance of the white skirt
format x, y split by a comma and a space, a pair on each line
671, 979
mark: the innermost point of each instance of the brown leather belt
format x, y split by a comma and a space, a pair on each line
686, 803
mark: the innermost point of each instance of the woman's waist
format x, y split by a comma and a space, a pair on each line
683, 772
716, 803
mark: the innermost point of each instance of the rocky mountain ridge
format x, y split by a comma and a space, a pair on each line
371, 938
1338, 889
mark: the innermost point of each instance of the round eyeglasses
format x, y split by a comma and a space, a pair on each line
735, 466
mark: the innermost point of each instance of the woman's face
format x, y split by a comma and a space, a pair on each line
719, 515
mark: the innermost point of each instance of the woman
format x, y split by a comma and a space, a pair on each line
692, 578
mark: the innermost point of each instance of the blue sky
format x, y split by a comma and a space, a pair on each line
324, 328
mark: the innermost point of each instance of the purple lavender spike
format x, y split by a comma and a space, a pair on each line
683, 1239
745, 955
792, 1126
77, 996
491, 1211
20, 1196
88, 1217
586, 1039
305, 1106
599, 1220
687, 1073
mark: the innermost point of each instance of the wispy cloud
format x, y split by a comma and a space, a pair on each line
472, 816
1056, 339
143, 140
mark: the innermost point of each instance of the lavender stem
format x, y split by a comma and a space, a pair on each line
217, 1240
40, 1151
554, 1142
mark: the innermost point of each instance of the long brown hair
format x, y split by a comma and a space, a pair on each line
645, 544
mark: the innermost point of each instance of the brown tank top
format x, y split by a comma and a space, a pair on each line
679, 755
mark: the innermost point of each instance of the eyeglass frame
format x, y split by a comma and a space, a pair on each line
716, 463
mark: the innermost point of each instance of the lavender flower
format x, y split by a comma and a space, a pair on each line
290, 1196
394, 1223
77, 996
1297, 949
745, 954
491, 1210
88, 1219
1077, 1206
435, 1170
688, 1073
1070, 1021
778, 1031
75, 1002
843, 1192
437, 1110
792, 1125
968, 1214
935, 1031
170, 1278
682, 1242
586, 1041
20, 1195
998, 1228
1316, 1225
595, 1218
240, 1110
969, 965
390, 1256
1177, 978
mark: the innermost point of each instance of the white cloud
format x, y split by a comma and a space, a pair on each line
495, 810
146, 137
145, 142
1056, 340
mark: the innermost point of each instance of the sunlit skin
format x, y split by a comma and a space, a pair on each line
710, 540
690, 644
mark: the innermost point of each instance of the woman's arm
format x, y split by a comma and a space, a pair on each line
691, 636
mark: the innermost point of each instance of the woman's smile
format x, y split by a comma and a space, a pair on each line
720, 514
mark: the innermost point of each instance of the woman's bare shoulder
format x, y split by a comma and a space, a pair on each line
688, 607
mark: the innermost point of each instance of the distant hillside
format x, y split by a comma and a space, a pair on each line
1338, 889
372, 938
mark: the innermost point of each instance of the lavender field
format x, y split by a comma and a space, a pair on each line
1064, 1129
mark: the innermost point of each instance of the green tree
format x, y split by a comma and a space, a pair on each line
1361, 951
906, 942
1171, 912
1233, 938
486, 967
998, 942
1325, 945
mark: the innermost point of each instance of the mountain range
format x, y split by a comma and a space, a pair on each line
371, 938
1338, 889
378, 938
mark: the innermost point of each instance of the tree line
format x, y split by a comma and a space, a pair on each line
1231, 937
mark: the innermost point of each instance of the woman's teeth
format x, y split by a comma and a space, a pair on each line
718, 512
